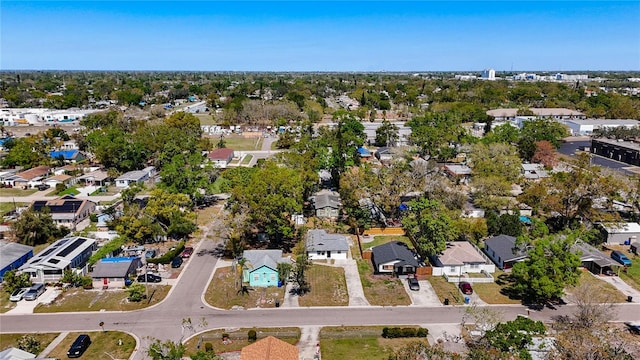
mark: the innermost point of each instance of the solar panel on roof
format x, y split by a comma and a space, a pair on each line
53, 261
69, 249
62, 242
47, 252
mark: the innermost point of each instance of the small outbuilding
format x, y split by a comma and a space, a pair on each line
621, 233
12, 256
114, 272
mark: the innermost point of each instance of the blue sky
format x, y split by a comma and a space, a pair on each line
320, 36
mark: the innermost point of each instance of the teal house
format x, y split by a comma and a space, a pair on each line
261, 267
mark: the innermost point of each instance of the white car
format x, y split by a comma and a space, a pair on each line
17, 294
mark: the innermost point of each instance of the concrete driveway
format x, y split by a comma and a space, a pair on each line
622, 286
26, 307
354, 285
426, 296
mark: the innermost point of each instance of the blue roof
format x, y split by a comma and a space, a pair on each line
66, 154
525, 219
363, 151
118, 259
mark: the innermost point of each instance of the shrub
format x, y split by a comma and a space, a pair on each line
29, 343
397, 332
225, 336
208, 347
168, 256
252, 335
93, 218
136, 292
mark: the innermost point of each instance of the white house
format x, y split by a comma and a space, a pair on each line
136, 176
621, 233
68, 253
322, 246
221, 158
459, 259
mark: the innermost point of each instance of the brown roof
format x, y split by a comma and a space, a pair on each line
460, 253
61, 177
34, 172
269, 348
220, 154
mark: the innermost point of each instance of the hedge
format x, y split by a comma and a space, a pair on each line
168, 256
397, 332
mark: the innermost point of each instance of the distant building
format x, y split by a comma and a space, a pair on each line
586, 127
489, 74
326, 204
623, 151
546, 113
135, 177
67, 210
68, 156
621, 233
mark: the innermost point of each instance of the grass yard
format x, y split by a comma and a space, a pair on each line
10, 206
383, 239
358, 342
247, 159
206, 119
495, 293
9, 340
238, 338
16, 192
78, 299
223, 292
607, 292
446, 290
328, 287
239, 142
69, 191
381, 289
5, 304
632, 276
208, 214
104, 346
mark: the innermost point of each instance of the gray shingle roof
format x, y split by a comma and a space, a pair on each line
259, 258
114, 269
392, 251
319, 240
503, 246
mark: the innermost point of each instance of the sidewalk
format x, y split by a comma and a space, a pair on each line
308, 345
52, 345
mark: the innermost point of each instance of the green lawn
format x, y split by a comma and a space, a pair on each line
10, 206
11, 340
239, 338
78, 299
358, 342
206, 119
223, 292
382, 290
16, 192
5, 304
246, 160
239, 143
383, 239
104, 346
632, 276
496, 293
328, 287
446, 290
69, 191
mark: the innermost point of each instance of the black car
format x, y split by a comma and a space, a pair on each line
176, 262
413, 284
150, 278
79, 346
633, 328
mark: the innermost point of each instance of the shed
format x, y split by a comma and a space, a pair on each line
634, 248
13, 256
113, 272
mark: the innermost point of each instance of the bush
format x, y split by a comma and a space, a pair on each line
136, 292
168, 256
225, 336
252, 335
208, 347
397, 332
29, 343
93, 218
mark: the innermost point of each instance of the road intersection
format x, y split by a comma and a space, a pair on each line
186, 300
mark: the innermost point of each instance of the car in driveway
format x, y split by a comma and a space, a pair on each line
79, 346
187, 252
633, 328
152, 278
150, 254
413, 284
621, 258
34, 292
176, 262
17, 294
465, 288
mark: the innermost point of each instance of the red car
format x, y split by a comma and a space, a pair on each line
187, 252
465, 287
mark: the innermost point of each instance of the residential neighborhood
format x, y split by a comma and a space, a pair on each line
361, 214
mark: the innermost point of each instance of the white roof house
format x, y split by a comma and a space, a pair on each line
136, 176
587, 126
67, 253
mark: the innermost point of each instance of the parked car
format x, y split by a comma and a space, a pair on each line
17, 294
621, 258
79, 346
152, 278
465, 287
176, 262
149, 254
187, 252
633, 328
43, 187
413, 284
34, 292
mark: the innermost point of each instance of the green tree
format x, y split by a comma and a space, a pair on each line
12, 281
514, 336
551, 266
167, 350
505, 133
36, 227
27, 152
387, 134
205, 355
300, 274
30, 344
136, 292
430, 225
538, 130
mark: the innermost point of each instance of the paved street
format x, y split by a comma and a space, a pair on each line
164, 321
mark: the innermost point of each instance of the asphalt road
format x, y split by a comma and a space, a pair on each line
185, 300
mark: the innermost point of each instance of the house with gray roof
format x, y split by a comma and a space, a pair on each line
322, 246
459, 259
503, 252
13, 256
261, 267
135, 177
113, 272
68, 253
394, 258
326, 204
595, 260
